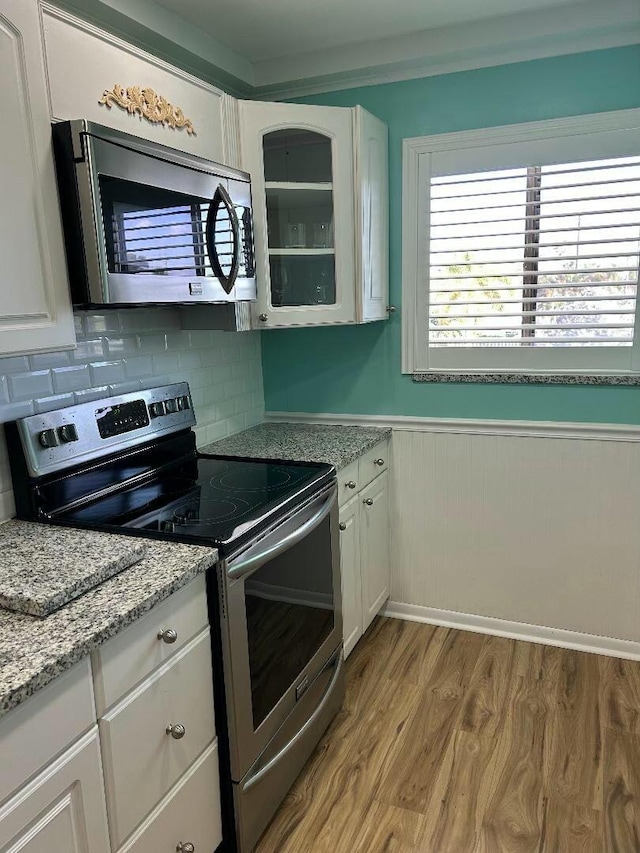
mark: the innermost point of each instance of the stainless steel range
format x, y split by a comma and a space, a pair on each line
129, 464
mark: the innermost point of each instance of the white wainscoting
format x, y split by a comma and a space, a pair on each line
531, 530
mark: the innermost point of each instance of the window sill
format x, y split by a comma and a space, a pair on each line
532, 378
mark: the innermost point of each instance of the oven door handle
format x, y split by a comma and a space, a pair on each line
251, 564
263, 771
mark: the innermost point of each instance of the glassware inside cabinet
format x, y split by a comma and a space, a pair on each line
299, 199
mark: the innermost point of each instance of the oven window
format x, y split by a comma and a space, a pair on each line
151, 230
289, 605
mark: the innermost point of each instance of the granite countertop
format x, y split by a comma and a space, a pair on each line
34, 651
337, 445
45, 567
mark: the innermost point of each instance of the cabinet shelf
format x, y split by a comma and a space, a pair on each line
295, 185
301, 251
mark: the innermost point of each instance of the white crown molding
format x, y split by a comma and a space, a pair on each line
465, 426
515, 630
171, 26
461, 47
80, 24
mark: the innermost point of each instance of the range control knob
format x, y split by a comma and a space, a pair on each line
171, 406
67, 433
48, 438
156, 410
183, 403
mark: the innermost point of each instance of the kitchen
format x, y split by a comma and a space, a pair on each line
442, 474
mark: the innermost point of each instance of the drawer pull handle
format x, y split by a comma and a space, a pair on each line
342, 525
368, 501
168, 636
185, 847
380, 462
176, 730
351, 484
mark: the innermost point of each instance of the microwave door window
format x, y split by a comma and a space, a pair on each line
153, 231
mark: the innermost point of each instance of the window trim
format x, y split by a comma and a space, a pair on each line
416, 159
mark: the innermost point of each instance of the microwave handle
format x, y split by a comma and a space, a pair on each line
222, 197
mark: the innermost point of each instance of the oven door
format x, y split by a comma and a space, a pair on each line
168, 233
282, 621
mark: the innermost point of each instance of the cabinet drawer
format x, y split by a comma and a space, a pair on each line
346, 476
62, 810
129, 657
190, 814
142, 761
47, 722
374, 462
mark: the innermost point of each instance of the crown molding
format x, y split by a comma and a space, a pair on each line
149, 29
463, 47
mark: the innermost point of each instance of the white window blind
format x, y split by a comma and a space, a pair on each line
541, 256
524, 249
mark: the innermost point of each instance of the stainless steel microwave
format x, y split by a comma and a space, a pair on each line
146, 224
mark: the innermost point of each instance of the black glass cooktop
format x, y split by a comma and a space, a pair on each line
214, 499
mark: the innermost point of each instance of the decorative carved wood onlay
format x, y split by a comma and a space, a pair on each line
147, 103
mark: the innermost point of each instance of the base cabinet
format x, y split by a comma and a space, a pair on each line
62, 809
374, 547
146, 778
350, 568
364, 558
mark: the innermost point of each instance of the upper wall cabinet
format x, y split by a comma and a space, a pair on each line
35, 310
320, 196
99, 77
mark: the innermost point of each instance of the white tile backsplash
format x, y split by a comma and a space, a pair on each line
121, 351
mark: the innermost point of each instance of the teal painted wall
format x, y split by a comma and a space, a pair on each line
356, 369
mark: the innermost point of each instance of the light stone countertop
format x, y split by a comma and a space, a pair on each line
34, 651
337, 445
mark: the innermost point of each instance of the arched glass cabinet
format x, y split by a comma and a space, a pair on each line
312, 199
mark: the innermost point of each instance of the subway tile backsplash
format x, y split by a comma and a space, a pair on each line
121, 351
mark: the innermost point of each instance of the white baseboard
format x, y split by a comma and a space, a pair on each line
514, 630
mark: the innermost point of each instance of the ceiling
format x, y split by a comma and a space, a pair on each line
286, 48
269, 29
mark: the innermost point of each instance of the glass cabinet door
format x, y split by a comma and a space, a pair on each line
299, 199
301, 164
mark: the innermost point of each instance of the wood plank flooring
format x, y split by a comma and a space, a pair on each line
453, 742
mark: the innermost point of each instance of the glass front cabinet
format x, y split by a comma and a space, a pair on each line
320, 198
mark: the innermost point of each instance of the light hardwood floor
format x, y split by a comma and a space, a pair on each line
453, 742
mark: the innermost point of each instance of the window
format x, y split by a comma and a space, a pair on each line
522, 248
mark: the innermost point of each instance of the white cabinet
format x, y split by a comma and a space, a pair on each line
190, 814
157, 743
372, 216
153, 736
83, 62
374, 547
154, 689
319, 178
350, 569
35, 309
62, 810
364, 546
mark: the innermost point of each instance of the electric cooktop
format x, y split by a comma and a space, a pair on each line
215, 499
